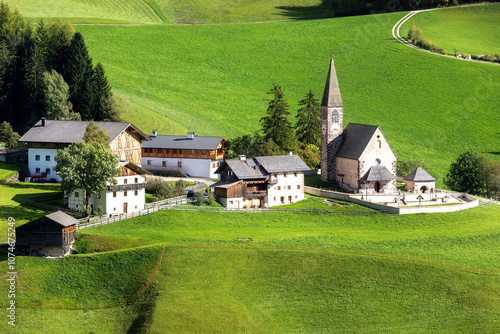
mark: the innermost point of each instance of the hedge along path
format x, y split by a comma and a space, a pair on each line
124, 301
400, 23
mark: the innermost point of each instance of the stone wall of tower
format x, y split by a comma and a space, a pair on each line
331, 140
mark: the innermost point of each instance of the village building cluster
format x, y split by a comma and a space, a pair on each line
357, 157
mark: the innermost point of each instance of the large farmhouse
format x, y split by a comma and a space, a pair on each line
191, 155
46, 137
358, 158
261, 181
128, 195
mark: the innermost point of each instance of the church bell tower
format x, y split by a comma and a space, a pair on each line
332, 124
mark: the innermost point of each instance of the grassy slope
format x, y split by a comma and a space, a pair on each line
13, 198
214, 79
472, 30
96, 11
229, 11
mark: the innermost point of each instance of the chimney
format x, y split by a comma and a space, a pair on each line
44, 121
290, 153
243, 157
190, 135
155, 133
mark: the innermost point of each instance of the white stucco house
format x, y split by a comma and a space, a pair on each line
127, 195
261, 181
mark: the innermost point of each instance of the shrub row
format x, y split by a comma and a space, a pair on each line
416, 36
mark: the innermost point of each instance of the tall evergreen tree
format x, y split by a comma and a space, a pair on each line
79, 74
103, 109
33, 85
60, 35
276, 125
308, 126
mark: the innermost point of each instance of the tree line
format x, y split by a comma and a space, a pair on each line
278, 135
46, 71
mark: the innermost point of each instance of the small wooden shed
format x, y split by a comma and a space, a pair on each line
419, 181
51, 235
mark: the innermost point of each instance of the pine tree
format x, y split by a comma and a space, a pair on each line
275, 125
308, 126
79, 74
33, 85
103, 109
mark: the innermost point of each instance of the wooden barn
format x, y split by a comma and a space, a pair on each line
51, 235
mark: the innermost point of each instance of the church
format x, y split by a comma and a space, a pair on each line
358, 158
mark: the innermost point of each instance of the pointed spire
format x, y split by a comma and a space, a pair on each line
331, 95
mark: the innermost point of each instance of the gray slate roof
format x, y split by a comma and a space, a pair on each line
282, 163
378, 173
245, 169
331, 94
356, 138
419, 175
183, 142
69, 132
62, 218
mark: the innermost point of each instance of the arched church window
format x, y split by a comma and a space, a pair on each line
377, 162
335, 116
379, 143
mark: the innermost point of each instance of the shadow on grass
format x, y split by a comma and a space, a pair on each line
321, 11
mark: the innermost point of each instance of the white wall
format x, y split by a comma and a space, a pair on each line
280, 189
194, 167
43, 164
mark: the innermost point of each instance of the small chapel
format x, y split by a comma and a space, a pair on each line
359, 157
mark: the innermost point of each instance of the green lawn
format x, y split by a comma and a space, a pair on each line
96, 11
472, 30
8, 169
213, 79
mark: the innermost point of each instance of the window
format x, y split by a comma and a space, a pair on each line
289, 187
125, 171
274, 199
47, 171
230, 202
282, 199
124, 193
203, 151
379, 142
279, 187
149, 162
136, 192
125, 181
214, 165
37, 157
180, 151
284, 174
76, 194
377, 162
191, 151
295, 174
298, 186
37, 170
136, 180
47, 158
275, 176
164, 163
174, 151
335, 116
114, 194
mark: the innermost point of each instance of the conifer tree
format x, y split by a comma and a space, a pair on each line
275, 125
79, 74
103, 109
308, 126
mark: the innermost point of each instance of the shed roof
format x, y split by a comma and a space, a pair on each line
243, 170
184, 142
57, 217
378, 173
69, 132
419, 175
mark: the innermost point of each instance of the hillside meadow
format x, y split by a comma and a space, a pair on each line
214, 79
274, 273
471, 30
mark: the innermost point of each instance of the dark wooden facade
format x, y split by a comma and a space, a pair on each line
44, 232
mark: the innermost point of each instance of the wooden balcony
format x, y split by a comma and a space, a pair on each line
127, 186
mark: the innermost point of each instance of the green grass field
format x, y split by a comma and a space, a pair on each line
213, 79
300, 273
472, 30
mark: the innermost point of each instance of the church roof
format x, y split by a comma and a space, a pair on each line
69, 132
331, 95
378, 173
356, 138
420, 175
